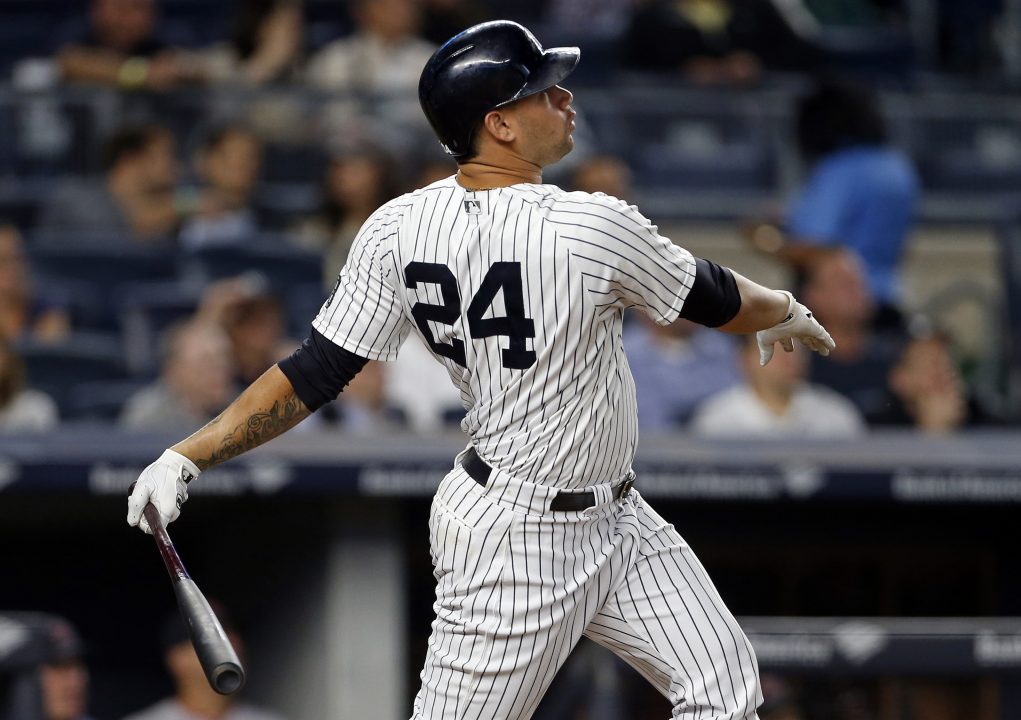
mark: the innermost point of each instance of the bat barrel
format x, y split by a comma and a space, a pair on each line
218, 658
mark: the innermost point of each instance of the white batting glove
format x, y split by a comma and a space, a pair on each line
165, 485
800, 325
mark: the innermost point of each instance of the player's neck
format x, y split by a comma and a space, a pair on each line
480, 174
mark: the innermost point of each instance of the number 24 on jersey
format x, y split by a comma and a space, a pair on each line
504, 276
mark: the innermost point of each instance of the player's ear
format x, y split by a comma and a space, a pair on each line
496, 124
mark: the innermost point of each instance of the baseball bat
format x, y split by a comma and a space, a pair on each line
219, 661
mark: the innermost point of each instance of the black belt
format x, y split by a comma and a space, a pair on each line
479, 471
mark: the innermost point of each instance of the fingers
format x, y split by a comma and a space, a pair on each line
765, 353
787, 343
137, 501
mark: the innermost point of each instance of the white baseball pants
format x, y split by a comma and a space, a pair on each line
518, 585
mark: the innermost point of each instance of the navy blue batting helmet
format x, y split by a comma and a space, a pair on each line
482, 68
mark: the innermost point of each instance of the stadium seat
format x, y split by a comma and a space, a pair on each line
95, 269
688, 140
303, 303
291, 163
284, 265
83, 357
147, 309
101, 400
968, 153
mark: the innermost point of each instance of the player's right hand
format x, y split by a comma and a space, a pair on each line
165, 485
799, 325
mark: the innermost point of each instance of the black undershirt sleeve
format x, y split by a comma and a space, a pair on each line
713, 299
320, 369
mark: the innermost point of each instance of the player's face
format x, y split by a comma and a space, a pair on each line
65, 690
546, 122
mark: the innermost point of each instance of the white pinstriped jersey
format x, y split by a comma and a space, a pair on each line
520, 293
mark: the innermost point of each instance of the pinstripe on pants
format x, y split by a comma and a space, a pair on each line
517, 586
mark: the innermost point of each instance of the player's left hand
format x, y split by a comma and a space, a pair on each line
799, 325
164, 484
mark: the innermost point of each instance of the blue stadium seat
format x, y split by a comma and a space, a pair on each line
195, 23
687, 140
96, 269
19, 200
146, 310
290, 163
303, 303
101, 400
970, 153
48, 135
83, 357
284, 265
325, 21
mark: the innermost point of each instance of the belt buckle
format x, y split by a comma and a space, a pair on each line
625, 487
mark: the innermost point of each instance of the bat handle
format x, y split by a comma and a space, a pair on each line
159, 533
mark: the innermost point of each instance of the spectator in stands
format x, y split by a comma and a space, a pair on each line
265, 46
383, 57
228, 165
253, 319
22, 409
357, 182
25, 314
135, 202
122, 47
363, 409
775, 401
861, 193
676, 367
857, 367
926, 390
195, 382
720, 42
383, 54
193, 699
63, 677
605, 174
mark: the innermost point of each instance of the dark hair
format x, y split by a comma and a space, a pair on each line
838, 113
130, 141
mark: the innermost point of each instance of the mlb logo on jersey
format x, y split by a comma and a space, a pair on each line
473, 207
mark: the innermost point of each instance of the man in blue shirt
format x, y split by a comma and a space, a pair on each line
860, 193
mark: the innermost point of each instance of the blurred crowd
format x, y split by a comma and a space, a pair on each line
174, 266
200, 288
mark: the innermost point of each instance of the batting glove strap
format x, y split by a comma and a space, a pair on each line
800, 324
164, 483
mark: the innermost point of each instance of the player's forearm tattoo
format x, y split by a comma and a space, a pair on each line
258, 428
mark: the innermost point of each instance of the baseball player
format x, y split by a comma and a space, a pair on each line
538, 534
